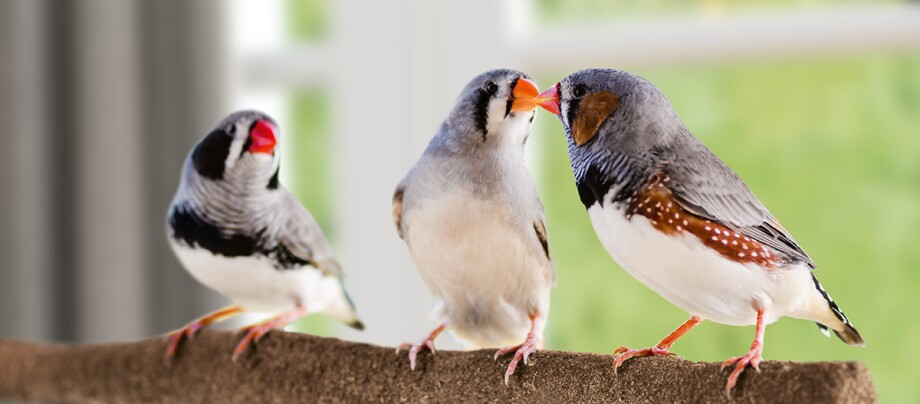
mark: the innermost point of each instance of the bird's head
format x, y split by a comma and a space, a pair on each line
497, 106
242, 148
612, 108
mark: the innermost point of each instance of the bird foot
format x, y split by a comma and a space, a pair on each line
253, 334
427, 343
521, 351
752, 358
622, 354
414, 349
175, 338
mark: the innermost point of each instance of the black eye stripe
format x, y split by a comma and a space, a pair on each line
211, 154
572, 111
481, 111
246, 145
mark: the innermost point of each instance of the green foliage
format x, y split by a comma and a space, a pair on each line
831, 147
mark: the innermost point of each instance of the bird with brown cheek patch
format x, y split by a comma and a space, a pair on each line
678, 219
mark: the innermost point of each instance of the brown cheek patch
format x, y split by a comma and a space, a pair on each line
592, 111
656, 203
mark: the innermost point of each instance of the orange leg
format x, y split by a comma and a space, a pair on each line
752, 358
255, 332
522, 351
428, 343
175, 338
623, 353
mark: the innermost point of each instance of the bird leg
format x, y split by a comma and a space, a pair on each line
255, 332
752, 358
522, 351
428, 343
623, 353
176, 337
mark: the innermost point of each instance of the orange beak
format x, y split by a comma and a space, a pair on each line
525, 96
549, 99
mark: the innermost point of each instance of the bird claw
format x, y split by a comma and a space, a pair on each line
505, 351
622, 354
521, 352
414, 350
175, 338
254, 334
404, 345
752, 359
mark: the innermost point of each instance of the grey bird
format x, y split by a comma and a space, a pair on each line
678, 219
473, 221
238, 231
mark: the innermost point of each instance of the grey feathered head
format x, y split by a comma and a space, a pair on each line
242, 148
614, 109
491, 104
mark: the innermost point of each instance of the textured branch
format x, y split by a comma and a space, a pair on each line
289, 367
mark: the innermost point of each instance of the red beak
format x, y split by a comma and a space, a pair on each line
262, 138
549, 99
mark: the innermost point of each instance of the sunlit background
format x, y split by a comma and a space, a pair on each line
816, 104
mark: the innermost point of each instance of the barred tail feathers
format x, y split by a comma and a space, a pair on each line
844, 329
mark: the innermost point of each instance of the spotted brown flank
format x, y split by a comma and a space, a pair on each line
656, 203
592, 111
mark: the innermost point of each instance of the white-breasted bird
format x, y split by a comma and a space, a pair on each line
678, 219
473, 221
239, 232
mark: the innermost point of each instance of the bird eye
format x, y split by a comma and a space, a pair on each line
490, 87
579, 91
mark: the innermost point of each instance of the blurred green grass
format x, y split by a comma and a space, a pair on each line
832, 147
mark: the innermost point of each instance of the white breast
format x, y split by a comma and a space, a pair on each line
696, 278
255, 284
479, 267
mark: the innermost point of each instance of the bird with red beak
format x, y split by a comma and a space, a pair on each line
238, 231
679, 220
473, 221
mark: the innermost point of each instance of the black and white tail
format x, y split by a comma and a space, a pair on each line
848, 334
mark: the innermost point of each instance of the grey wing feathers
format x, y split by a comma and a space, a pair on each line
539, 228
704, 185
398, 210
304, 238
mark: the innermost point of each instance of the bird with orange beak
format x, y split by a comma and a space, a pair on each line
679, 220
473, 221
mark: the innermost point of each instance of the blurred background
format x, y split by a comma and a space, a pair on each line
815, 103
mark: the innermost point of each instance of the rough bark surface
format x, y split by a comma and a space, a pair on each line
288, 367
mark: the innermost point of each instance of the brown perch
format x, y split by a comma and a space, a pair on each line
288, 367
